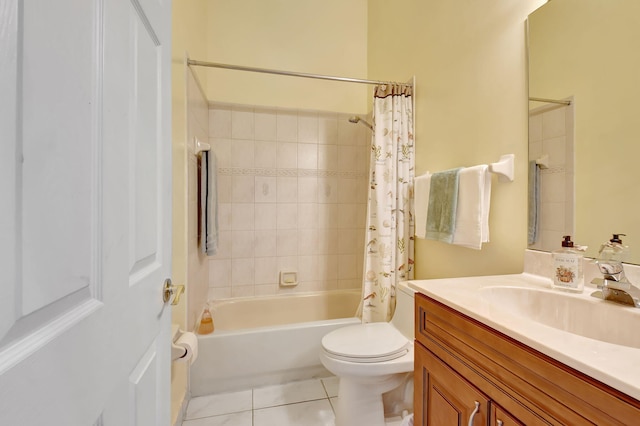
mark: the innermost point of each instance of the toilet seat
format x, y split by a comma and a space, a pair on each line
366, 343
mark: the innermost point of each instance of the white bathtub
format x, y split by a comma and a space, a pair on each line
268, 340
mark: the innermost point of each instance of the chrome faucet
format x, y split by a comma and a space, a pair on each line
614, 286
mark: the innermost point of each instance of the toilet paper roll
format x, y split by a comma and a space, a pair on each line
189, 342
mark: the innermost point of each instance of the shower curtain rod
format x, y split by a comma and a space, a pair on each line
290, 73
552, 101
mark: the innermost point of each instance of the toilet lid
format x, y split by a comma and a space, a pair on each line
378, 341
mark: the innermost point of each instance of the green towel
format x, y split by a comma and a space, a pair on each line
443, 201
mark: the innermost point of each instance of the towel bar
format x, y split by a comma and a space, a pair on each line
504, 167
201, 146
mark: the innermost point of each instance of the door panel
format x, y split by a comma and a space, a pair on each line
85, 174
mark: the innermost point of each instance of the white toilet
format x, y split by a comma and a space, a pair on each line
371, 359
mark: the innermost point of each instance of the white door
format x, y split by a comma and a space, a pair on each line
85, 212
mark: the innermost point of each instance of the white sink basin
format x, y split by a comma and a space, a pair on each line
573, 313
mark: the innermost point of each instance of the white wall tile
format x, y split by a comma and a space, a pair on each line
327, 241
347, 190
287, 155
307, 156
308, 242
347, 267
307, 189
242, 272
328, 128
327, 190
347, 241
552, 187
347, 158
220, 122
328, 216
287, 242
308, 127
270, 223
328, 267
287, 189
265, 242
242, 189
225, 213
265, 124
242, 126
242, 216
242, 153
242, 290
266, 270
265, 154
556, 149
287, 263
553, 123
347, 217
287, 216
308, 215
347, 131
535, 128
552, 216
242, 245
219, 293
308, 268
327, 157
219, 272
266, 216
222, 148
287, 126
265, 189
225, 184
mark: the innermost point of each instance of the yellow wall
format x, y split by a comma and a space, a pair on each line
588, 49
188, 34
471, 107
317, 37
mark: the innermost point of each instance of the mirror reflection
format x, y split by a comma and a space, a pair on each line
585, 51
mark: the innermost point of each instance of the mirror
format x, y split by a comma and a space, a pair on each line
587, 51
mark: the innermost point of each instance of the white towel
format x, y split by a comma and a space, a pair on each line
472, 214
208, 203
407, 420
421, 187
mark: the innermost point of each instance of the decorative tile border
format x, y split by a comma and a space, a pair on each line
552, 170
236, 171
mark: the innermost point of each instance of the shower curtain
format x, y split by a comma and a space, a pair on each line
389, 248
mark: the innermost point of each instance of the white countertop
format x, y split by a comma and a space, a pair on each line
615, 365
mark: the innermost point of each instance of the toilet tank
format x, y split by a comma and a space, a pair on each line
403, 317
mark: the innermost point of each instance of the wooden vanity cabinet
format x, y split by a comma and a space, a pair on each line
460, 361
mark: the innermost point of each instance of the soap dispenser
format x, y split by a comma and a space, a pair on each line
610, 257
614, 249
206, 323
567, 267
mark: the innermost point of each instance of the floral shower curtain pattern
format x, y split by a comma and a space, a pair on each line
389, 250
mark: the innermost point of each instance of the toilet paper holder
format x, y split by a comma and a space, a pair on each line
183, 351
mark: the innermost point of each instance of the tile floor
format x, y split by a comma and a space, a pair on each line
301, 403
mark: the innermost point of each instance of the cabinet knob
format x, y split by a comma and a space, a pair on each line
473, 414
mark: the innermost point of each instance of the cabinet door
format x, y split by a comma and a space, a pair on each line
444, 398
499, 417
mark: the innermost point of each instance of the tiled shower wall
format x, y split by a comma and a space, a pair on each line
292, 191
197, 268
551, 133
